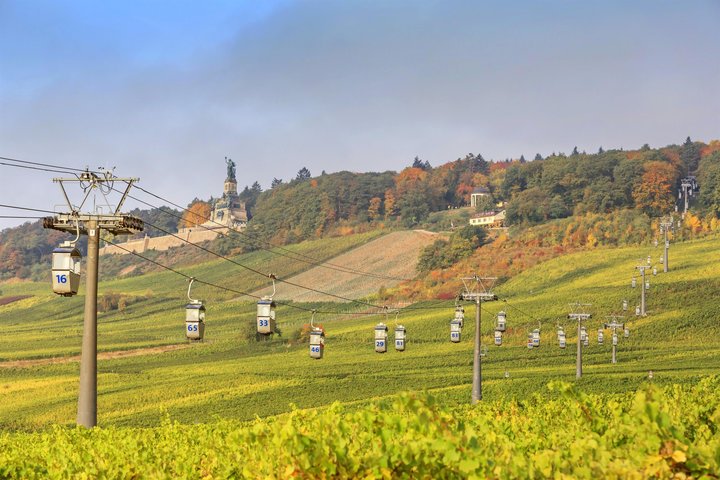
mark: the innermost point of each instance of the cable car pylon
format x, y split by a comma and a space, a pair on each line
91, 224
478, 290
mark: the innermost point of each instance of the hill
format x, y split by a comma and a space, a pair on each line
558, 186
232, 376
393, 257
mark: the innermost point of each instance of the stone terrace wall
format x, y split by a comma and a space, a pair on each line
193, 235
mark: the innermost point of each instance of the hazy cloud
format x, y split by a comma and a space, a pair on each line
165, 94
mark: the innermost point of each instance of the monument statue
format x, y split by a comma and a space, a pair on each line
230, 169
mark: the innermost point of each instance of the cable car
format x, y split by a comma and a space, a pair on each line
194, 317
266, 316
626, 332
455, 330
633, 283
655, 242
317, 343
625, 305
266, 311
498, 337
460, 314
400, 338
614, 339
562, 340
584, 337
381, 334
637, 310
530, 341
501, 321
601, 336
649, 260
647, 284
66, 269
655, 271
195, 320
536, 338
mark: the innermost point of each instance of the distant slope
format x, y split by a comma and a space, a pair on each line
394, 255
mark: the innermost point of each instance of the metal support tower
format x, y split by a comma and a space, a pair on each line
687, 186
665, 225
577, 312
91, 224
614, 325
478, 290
642, 269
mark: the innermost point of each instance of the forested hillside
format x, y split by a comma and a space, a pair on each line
533, 192
557, 186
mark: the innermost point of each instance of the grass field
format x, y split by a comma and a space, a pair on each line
229, 377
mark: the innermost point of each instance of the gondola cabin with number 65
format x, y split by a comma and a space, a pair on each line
66, 270
194, 320
265, 316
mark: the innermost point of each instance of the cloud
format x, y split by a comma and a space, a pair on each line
351, 85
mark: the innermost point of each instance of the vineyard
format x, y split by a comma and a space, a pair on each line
233, 376
233, 406
654, 432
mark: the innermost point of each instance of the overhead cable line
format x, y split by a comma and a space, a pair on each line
295, 255
26, 208
311, 260
43, 164
231, 290
288, 282
198, 280
64, 172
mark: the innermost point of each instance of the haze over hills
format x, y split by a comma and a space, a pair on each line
531, 192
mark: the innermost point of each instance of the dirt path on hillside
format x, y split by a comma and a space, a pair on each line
101, 356
393, 255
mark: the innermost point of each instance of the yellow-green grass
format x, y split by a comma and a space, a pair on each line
228, 377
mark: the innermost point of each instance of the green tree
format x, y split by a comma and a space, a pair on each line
690, 156
303, 174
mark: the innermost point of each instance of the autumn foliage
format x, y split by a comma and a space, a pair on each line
197, 214
654, 194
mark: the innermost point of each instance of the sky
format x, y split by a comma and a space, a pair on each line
164, 90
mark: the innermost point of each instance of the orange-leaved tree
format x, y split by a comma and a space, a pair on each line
197, 214
654, 194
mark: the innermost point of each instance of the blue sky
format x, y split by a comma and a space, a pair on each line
164, 90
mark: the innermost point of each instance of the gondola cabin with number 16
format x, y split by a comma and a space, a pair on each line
66, 270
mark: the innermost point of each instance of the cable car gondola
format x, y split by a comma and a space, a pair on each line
317, 343
455, 330
460, 314
400, 338
381, 334
66, 267
194, 317
266, 312
317, 339
501, 321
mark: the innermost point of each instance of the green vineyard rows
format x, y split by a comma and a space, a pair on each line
670, 432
